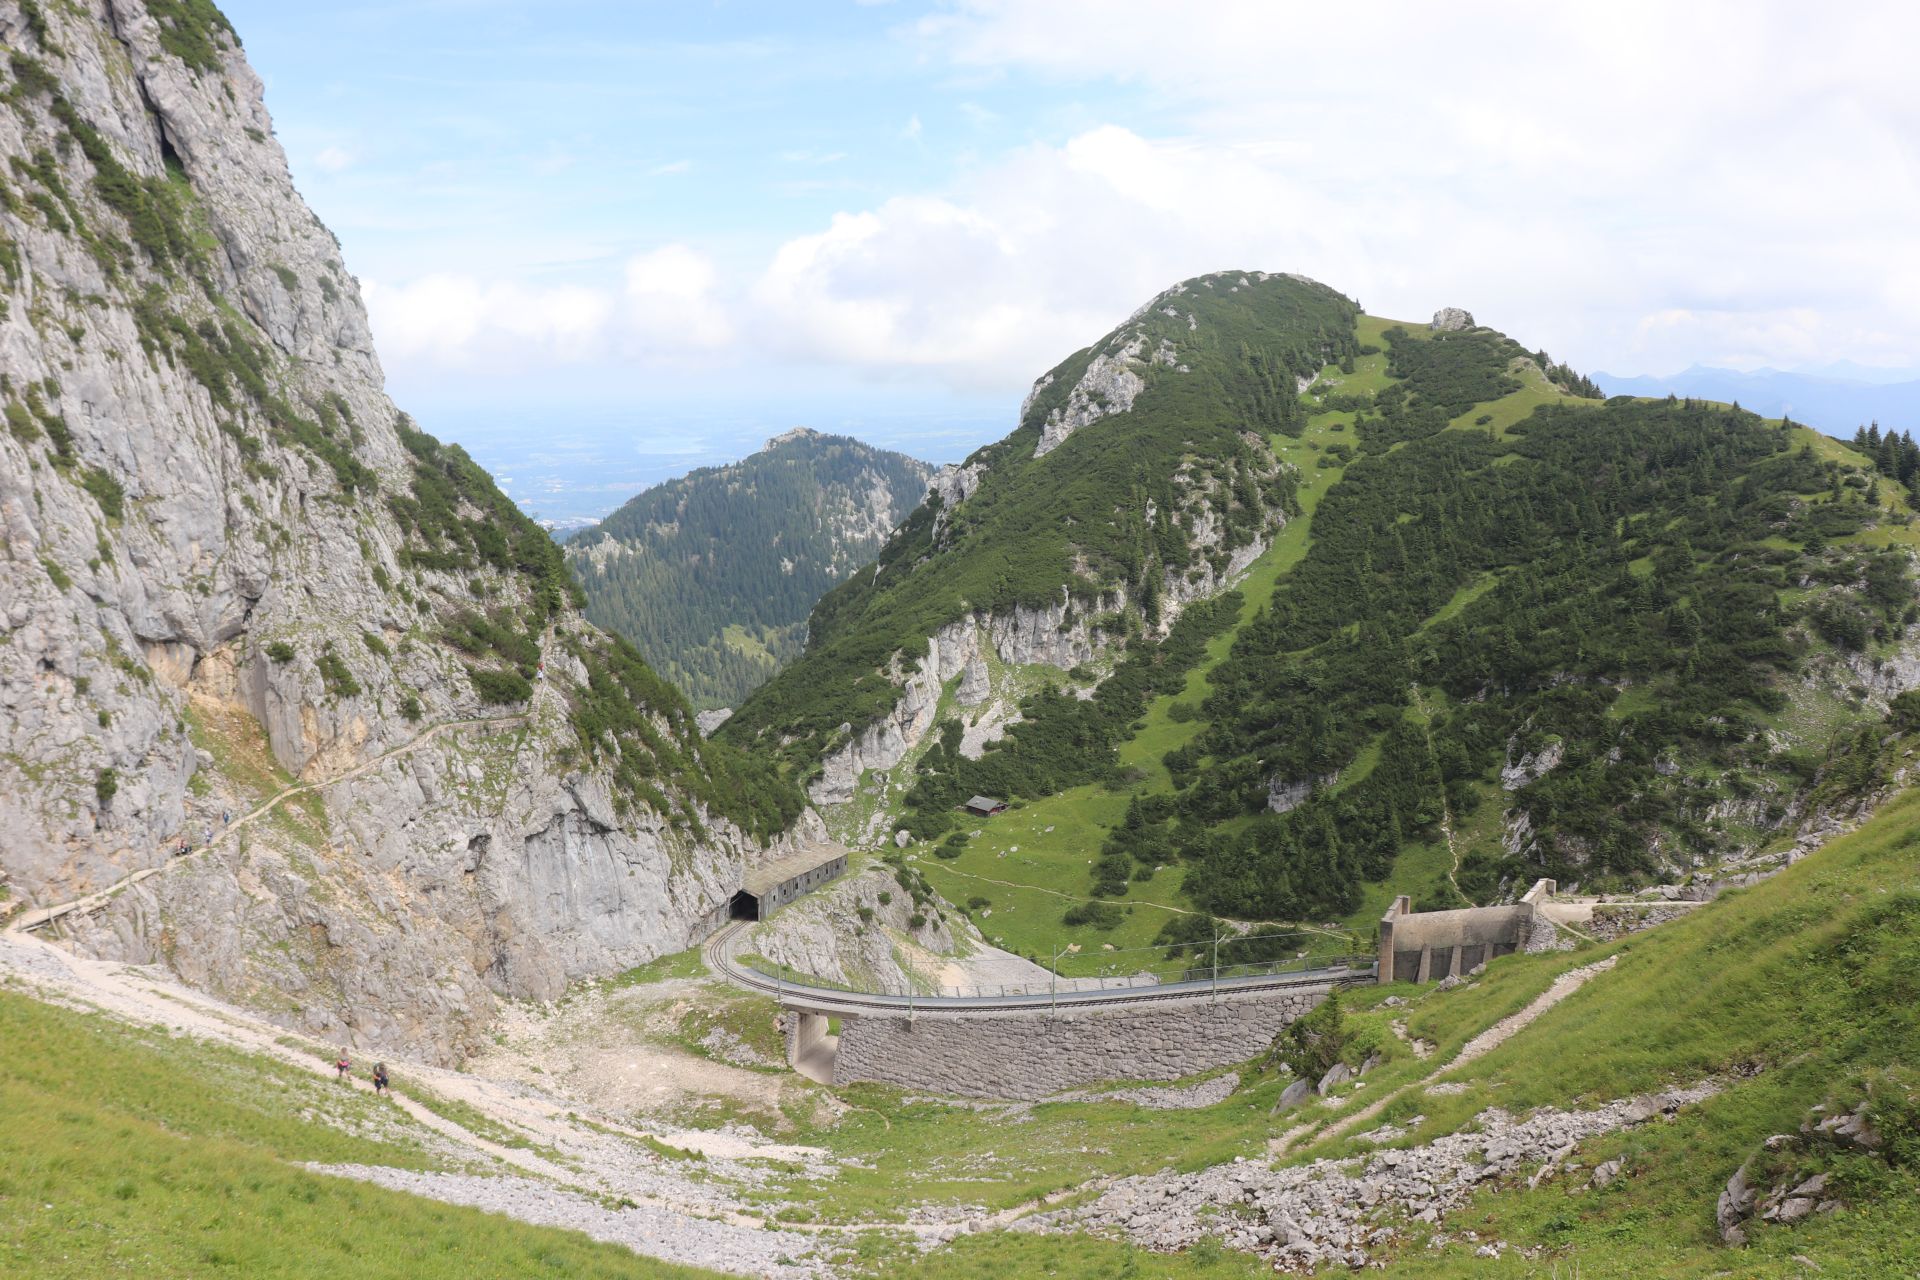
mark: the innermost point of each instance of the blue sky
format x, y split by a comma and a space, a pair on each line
665, 231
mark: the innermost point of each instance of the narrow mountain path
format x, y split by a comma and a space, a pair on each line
1446, 810
1481, 1045
36, 917
1136, 902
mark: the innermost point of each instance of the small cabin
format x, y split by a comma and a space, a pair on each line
984, 806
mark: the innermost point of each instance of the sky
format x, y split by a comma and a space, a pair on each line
602, 242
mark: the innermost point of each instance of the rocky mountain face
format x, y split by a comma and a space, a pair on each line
1139, 480
228, 565
712, 576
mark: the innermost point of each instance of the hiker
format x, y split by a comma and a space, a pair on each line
343, 1066
226, 817
380, 1077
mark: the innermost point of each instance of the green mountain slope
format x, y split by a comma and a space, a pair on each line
1509, 631
712, 575
1168, 473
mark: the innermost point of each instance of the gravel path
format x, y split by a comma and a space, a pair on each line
658, 1233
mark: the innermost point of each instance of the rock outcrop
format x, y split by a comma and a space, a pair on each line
1303, 1217
1109, 386
1451, 320
860, 932
229, 565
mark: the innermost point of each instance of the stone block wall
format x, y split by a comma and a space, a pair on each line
1030, 1055
1426, 946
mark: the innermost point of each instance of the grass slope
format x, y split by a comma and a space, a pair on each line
129, 1152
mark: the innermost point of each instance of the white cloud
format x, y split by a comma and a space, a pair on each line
333, 159
670, 168
671, 303
666, 310
1637, 191
1567, 176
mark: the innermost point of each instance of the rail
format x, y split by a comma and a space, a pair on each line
1057, 993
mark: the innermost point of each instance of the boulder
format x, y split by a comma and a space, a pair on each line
1734, 1207
1451, 320
1292, 1095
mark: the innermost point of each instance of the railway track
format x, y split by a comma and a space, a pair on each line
719, 952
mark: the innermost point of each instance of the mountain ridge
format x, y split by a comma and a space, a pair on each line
712, 574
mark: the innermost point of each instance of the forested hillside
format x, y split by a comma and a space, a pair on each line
1510, 631
1140, 466
712, 575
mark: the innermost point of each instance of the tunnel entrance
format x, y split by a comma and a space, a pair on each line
745, 906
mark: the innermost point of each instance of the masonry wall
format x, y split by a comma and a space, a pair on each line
1028, 1055
1428, 945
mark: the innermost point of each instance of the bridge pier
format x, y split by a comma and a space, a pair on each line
810, 1049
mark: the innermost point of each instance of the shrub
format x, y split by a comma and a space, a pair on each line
280, 651
410, 708
376, 644
500, 687
917, 921
106, 491
1093, 915
336, 675
105, 785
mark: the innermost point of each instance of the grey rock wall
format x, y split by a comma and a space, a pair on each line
1030, 1055
420, 889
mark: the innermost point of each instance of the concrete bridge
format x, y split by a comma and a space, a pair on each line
1035, 1043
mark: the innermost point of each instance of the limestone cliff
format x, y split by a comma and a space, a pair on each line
227, 565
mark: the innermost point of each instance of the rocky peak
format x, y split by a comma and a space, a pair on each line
1451, 320
793, 436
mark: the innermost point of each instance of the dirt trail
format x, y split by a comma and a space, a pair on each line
525, 1144
1481, 1045
38, 916
1446, 810
1157, 906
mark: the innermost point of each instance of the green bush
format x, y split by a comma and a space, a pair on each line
335, 675
106, 491
1103, 916
499, 688
280, 651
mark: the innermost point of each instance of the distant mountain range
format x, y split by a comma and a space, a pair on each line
712, 575
1835, 399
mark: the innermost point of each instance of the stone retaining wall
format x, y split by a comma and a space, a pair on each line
1029, 1055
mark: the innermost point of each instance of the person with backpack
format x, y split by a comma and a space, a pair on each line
380, 1085
342, 1067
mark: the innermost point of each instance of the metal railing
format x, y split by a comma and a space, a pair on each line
1125, 969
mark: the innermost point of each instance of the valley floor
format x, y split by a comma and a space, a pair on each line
1569, 1113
